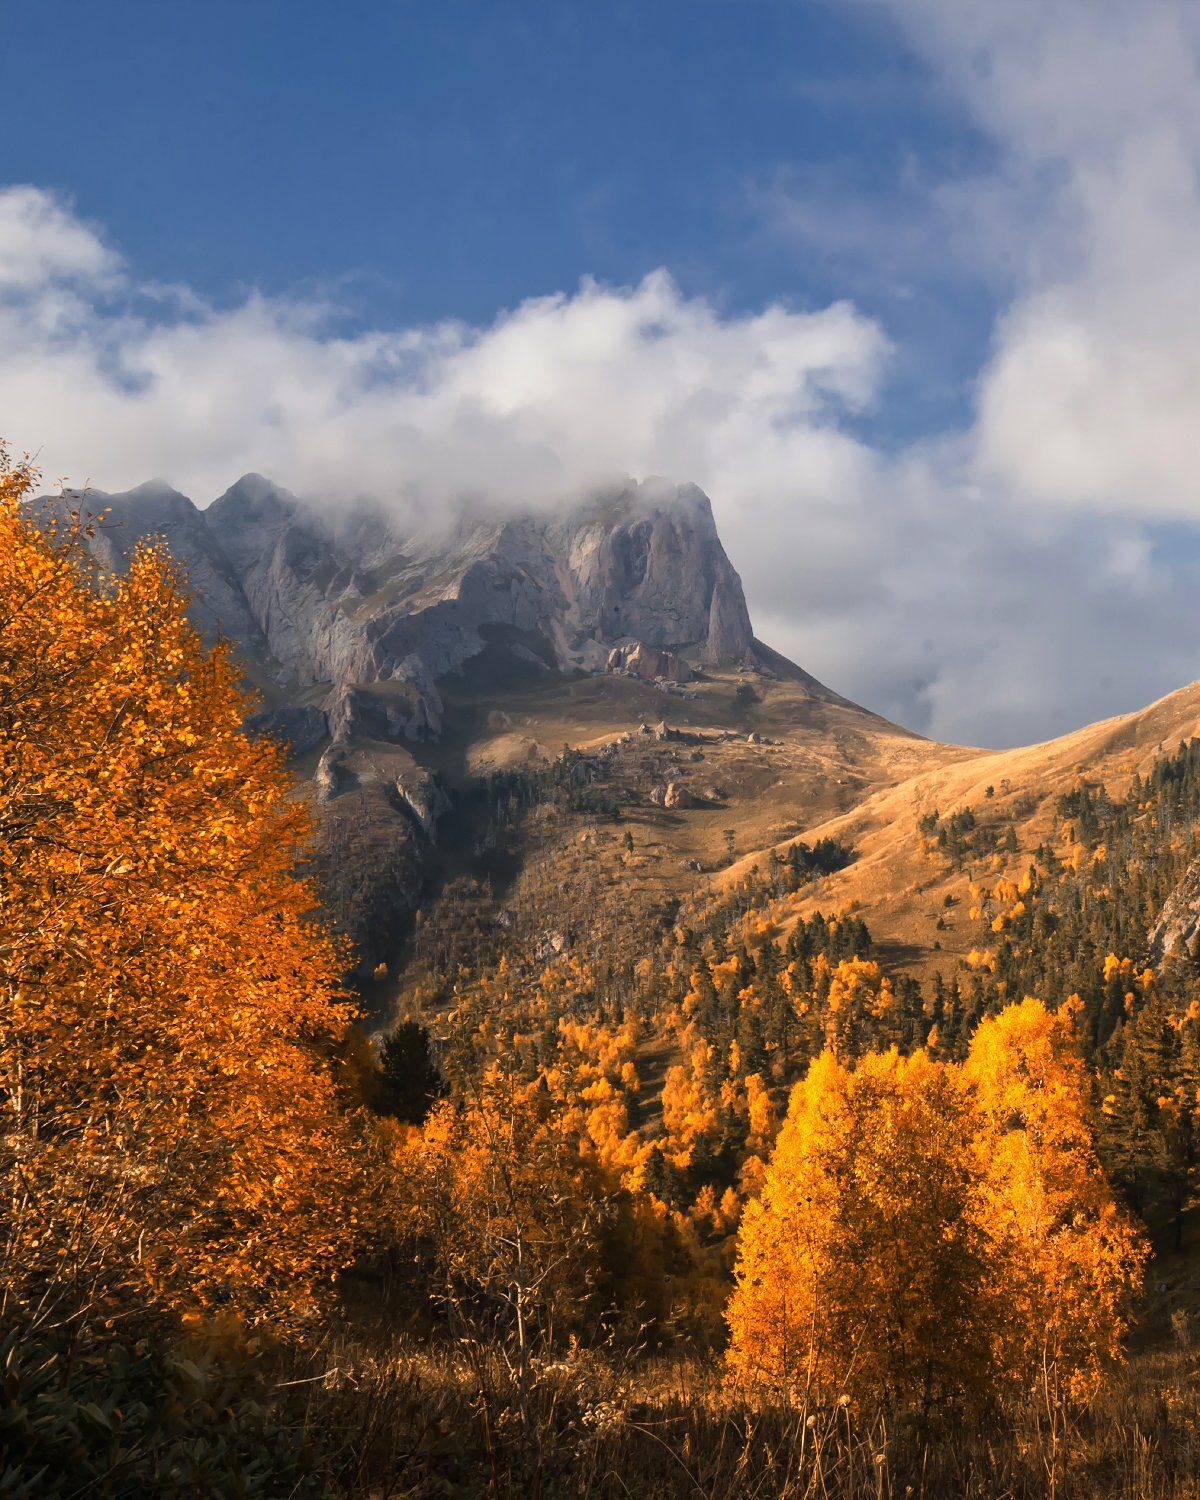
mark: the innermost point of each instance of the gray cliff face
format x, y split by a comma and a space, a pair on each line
357, 616
346, 623
156, 510
1178, 924
649, 567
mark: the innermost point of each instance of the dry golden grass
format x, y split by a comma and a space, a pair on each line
416, 1423
901, 888
829, 768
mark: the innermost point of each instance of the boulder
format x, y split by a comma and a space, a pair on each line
423, 798
649, 663
332, 774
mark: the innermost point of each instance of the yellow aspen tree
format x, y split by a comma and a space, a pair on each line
169, 1008
512, 1207
1068, 1258
859, 1267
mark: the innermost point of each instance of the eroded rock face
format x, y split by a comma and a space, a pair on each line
358, 713
1178, 924
332, 774
648, 663
357, 601
155, 510
424, 799
346, 622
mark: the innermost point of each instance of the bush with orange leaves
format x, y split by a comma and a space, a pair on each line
169, 1009
937, 1236
520, 1232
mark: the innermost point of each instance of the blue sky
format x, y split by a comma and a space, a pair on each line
425, 161
911, 287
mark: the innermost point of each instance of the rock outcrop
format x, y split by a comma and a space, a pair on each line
677, 795
636, 659
374, 611
673, 795
424, 800
1178, 924
332, 774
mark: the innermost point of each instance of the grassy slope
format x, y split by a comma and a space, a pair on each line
900, 888
823, 758
829, 768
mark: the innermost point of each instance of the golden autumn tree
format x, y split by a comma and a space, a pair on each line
859, 1268
509, 1206
520, 1229
1068, 1256
168, 1006
929, 1232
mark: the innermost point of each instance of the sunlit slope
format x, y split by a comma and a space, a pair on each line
764, 758
901, 879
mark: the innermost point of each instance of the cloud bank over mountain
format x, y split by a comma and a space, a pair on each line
1003, 582
117, 379
1093, 107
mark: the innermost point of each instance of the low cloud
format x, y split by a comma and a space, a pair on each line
1002, 583
554, 396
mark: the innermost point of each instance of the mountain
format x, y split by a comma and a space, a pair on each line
915, 883
375, 611
593, 840
404, 662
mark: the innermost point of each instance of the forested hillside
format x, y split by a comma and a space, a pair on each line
620, 1171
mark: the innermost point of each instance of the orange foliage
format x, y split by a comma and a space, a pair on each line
1069, 1255
857, 1267
168, 1007
934, 1233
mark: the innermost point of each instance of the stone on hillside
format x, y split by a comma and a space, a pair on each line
676, 795
332, 774
649, 663
423, 797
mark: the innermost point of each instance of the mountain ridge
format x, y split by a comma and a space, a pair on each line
407, 665
357, 598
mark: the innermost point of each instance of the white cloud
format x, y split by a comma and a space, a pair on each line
43, 244
1092, 394
1032, 572
1041, 568
555, 395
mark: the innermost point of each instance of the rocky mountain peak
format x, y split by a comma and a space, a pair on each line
253, 500
359, 604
